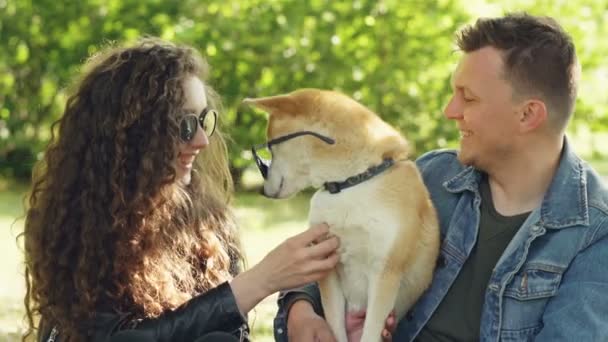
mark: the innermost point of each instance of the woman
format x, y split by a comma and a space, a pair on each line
129, 234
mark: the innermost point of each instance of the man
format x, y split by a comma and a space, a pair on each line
524, 221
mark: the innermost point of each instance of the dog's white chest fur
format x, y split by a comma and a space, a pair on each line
366, 231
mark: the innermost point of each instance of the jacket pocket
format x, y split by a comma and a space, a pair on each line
525, 298
535, 281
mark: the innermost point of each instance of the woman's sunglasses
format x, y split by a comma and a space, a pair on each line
188, 124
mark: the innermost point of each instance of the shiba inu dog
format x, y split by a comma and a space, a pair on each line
371, 196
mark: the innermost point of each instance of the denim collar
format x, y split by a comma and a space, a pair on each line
565, 202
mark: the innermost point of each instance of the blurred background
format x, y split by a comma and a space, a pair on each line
394, 56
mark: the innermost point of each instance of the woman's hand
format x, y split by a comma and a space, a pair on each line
299, 260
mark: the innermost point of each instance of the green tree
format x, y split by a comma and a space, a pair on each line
393, 56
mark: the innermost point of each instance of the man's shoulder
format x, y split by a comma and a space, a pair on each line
597, 199
442, 162
597, 189
438, 168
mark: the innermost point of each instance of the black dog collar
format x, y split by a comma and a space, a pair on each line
336, 187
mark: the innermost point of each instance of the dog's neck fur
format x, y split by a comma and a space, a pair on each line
338, 170
360, 149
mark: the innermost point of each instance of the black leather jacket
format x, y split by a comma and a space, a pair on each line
215, 310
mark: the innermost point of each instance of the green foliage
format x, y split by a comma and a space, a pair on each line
393, 56
382, 53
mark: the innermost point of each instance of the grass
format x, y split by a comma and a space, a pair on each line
264, 224
11, 272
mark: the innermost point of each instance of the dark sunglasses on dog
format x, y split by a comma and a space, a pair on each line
188, 124
264, 163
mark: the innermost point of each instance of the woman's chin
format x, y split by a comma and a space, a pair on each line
184, 176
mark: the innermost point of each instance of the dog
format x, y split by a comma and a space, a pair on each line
369, 193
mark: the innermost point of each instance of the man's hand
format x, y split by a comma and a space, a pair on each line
304, 325
354, 326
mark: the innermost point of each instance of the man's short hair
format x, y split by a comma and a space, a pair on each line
539, 59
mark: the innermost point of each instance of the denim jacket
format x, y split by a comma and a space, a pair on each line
551, 282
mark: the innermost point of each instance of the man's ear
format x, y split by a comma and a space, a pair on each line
533, 115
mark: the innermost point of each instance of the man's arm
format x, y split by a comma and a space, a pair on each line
301, 318
308, 294
579, 311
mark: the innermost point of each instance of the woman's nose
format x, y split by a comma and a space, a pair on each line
200, 139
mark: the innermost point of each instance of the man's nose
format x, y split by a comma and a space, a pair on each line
453, 110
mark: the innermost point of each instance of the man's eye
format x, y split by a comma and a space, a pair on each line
466, 99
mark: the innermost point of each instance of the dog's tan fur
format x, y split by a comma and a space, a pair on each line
388, 230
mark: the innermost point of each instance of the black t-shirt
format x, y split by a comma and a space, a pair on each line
458, 316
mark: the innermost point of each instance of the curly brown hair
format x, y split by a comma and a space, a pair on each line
107, 226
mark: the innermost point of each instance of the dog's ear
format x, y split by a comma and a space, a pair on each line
280, 104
